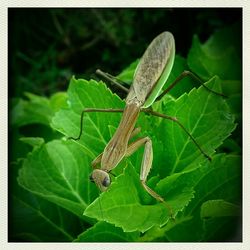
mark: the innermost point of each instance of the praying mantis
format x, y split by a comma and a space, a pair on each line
150, 75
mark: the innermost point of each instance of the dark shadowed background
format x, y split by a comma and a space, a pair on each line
48, 46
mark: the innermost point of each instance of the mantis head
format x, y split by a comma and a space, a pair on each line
101, 179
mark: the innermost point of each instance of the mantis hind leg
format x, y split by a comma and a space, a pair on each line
146, 165
174, 119
180, 77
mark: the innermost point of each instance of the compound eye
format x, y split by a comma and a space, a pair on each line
91, 178
106, 181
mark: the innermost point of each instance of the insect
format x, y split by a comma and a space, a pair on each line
150, 76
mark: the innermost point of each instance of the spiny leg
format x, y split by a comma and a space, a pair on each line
180, 77
146, 166
174, 119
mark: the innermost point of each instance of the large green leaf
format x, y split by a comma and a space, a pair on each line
32, 217
88, 94
59, 172
36, 109
205, 115
122, 205
221, 179
220, 55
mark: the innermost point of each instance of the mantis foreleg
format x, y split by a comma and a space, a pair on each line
97, 160
146, 165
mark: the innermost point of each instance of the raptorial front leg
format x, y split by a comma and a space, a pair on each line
146, 166
98, 159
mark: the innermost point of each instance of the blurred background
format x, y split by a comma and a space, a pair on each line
48, 46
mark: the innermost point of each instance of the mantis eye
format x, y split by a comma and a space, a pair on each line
106, 181
101, 179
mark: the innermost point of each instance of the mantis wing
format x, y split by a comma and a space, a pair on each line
152, 70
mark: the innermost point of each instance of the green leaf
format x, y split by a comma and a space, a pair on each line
105, 232
220, 55
219, 208
33, 141
122, 204
127, 74
31, 217
36, 109
59, 172
58, 101
208, 119
219, 180
88, 94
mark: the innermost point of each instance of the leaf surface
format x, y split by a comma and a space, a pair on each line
122, 204
220, 55
219, 208
88, 94
36, 109
206, 117
59, 172
219, 180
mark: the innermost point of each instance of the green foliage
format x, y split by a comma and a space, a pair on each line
219, 208
52, 187
218, 56
36, 109
105, 232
